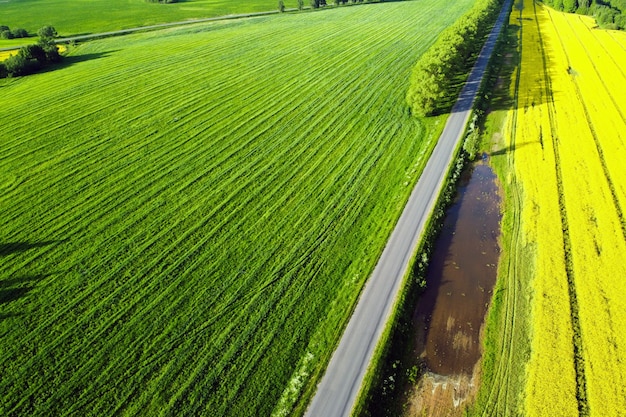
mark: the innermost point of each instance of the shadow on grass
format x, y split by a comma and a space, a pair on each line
508, 71
4, 316
508, 149
77, 59
11, 294
13, 289
18, 247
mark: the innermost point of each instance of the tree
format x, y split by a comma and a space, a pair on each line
6, 34
51, 50
570, 6
17, 65
281, 6
35, 52
47, 32
20, 33
300, 4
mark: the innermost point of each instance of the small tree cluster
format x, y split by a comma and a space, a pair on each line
32, 58
47, 32
437, 77
7, 33
316, 4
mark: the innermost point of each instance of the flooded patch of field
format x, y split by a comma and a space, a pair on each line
450, 314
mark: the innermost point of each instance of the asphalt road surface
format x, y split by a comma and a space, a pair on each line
337, 392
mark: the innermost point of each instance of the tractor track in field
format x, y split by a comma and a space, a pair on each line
594, 134
579, 360
501, 383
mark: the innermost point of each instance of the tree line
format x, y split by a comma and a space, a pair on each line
7, 33
439, 74
610, 14
32, 58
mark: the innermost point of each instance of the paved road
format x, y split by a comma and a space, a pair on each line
339, 387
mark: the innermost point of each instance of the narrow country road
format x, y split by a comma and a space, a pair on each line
338, 389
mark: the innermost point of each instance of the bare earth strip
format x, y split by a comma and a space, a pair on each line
340, 385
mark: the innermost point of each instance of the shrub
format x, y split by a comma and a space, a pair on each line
6, 34
35, 52
18, 65
20, 33
47, 32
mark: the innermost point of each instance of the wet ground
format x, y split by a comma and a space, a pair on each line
451, 312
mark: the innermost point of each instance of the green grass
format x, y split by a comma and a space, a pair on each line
507, 328
74, 17
189, 216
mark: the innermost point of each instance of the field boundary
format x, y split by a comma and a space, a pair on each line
579, 360
353, 360
159, 26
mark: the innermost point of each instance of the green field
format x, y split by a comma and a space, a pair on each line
75, 17
189, 215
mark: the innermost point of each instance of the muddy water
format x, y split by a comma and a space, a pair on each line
460, 278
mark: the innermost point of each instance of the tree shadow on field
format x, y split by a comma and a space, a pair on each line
18, 247
77, 59
15, 288
519, 61
508, 149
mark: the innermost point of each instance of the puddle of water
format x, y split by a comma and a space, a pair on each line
460, 278
446, 321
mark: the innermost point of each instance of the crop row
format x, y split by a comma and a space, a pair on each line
595, 205
551, 384
568, 127
187, 214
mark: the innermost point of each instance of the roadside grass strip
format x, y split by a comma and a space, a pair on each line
189, 216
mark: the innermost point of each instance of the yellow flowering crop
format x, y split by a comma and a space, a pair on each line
551, 378
592, 128
5, 54
569, 125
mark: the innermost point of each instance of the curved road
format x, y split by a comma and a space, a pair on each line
337, 392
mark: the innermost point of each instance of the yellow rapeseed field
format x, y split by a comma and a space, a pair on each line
5, 54
592, 131
569, 135
551, 386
